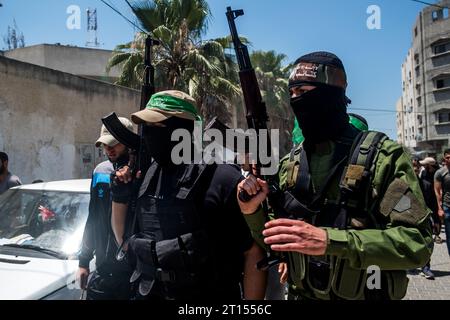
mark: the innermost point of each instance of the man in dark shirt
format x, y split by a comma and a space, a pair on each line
111, 278
7, 179
192, 241
430, 200
442, 189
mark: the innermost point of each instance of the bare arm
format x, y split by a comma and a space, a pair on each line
255, 281
120, 209
438, 192
118, 216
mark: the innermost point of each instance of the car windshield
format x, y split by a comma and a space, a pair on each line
49, 220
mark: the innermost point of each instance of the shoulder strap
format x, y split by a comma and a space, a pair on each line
356, 179
445, 173
292, 167
191, 178
303, 179
362, 158
148, 177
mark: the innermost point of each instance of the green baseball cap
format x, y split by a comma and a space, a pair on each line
166, 104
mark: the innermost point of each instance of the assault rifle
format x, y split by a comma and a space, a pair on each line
131, 140
256, 113
139, 156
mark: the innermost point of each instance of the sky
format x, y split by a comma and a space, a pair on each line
372, 57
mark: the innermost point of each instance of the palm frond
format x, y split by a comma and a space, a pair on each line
117, 59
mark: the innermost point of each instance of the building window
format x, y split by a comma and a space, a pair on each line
441, 48
420, 120
443, 117
442, 83
419, 101
445, 13
415, 32
417, 71
434, 15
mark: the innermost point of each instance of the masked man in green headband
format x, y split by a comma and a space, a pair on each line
192, 241
350, 218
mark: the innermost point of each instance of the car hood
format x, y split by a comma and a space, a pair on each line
33, 278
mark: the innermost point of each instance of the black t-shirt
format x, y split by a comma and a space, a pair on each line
227, 232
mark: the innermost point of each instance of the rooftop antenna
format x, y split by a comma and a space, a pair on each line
92, 28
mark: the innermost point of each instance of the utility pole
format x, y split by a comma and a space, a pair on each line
92, 28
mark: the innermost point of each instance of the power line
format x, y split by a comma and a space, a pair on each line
384, 110
430, 4
120, 13
128, 3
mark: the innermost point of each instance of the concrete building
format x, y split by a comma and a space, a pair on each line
408, 101
50, 120
400, 122
429, 80
85, 62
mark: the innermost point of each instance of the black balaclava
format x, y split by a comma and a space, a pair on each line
158, 139
321, 112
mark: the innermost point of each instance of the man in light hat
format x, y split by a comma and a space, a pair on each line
192, 241
111, 278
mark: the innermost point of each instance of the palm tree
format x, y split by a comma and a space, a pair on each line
183, 61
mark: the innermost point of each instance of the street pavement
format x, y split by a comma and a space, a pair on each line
438, 289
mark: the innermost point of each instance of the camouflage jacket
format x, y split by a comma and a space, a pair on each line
402, 242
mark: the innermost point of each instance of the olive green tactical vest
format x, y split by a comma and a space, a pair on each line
331, 277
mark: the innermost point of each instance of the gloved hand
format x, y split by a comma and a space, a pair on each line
121, 186
141, 248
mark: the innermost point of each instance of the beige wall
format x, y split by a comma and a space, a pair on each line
49, 120
75, 60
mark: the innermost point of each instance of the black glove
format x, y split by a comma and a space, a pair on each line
120, 192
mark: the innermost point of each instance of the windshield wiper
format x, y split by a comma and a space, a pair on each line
50, 252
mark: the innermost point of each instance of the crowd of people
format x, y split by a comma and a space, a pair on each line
344, 199
435, 185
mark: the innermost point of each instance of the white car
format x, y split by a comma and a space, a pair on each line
41, 228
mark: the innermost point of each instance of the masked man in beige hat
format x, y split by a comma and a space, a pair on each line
192, 243
111, 278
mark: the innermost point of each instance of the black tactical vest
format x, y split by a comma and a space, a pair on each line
172, 246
